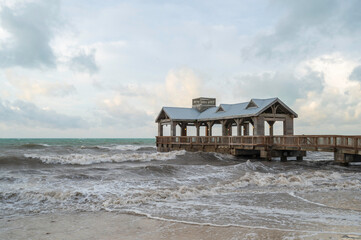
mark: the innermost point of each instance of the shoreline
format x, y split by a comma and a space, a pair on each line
113, 226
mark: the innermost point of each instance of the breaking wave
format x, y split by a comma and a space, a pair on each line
128, 147
111, 197
87, 159
124, 147
68, 175
34, 146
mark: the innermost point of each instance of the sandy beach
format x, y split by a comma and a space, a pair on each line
112, 226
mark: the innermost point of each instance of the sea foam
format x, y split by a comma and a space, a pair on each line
127, 147
86, 159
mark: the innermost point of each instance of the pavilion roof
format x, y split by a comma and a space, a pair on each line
224, 111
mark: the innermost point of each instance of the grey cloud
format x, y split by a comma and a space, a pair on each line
309, 27
283, 85
356, 74
84, 62
28, 114
352, 16
61, 90
123, 114
31, 27
131, 90
135, 119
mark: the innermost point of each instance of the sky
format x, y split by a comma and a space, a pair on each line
90, 68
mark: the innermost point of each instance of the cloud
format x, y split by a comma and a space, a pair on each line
117, 110
32, 88
333, 67
31, 27
84, 62
181, 85
27, 114
285, 85
137, 105
307, 29
133, 90
356, 74
337, 108
351, 19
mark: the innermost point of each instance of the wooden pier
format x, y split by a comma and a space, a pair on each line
250, 120
346, 149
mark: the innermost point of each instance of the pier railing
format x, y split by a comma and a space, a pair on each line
300, 142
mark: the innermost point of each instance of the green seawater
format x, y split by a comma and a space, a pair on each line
14, 142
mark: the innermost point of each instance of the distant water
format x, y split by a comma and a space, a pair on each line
130, 176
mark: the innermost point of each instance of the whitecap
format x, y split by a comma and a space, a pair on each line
86, 159
126, 147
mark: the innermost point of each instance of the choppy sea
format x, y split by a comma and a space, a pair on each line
130, 176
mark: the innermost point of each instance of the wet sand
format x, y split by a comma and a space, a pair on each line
111, 226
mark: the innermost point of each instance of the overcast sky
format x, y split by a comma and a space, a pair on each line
90, 68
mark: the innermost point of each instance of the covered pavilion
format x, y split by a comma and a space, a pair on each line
204, 113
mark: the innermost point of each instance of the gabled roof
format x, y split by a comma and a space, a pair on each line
220, 109
238, 109
176, 113
251, 104
246, 109
225, 107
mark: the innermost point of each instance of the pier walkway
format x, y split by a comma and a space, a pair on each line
346, 149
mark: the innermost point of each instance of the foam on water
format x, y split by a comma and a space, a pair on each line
127, 147
237, 225
189, 186
306, 200
87, 159
288, 179
198, 188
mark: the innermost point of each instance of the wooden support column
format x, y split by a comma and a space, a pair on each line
258, 123
183, 127
209, 128
184, 131
198, 127
224, 127
239, 126
270, 123
246, 129
160, 129
173, 129
288, 126
229, 129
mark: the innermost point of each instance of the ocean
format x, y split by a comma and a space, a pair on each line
129, 176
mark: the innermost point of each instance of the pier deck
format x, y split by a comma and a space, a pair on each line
346, 149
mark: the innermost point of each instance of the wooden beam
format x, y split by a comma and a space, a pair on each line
165, 121
277, 115
274, 119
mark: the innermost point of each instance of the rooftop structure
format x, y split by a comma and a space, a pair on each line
202, 103
204, 112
